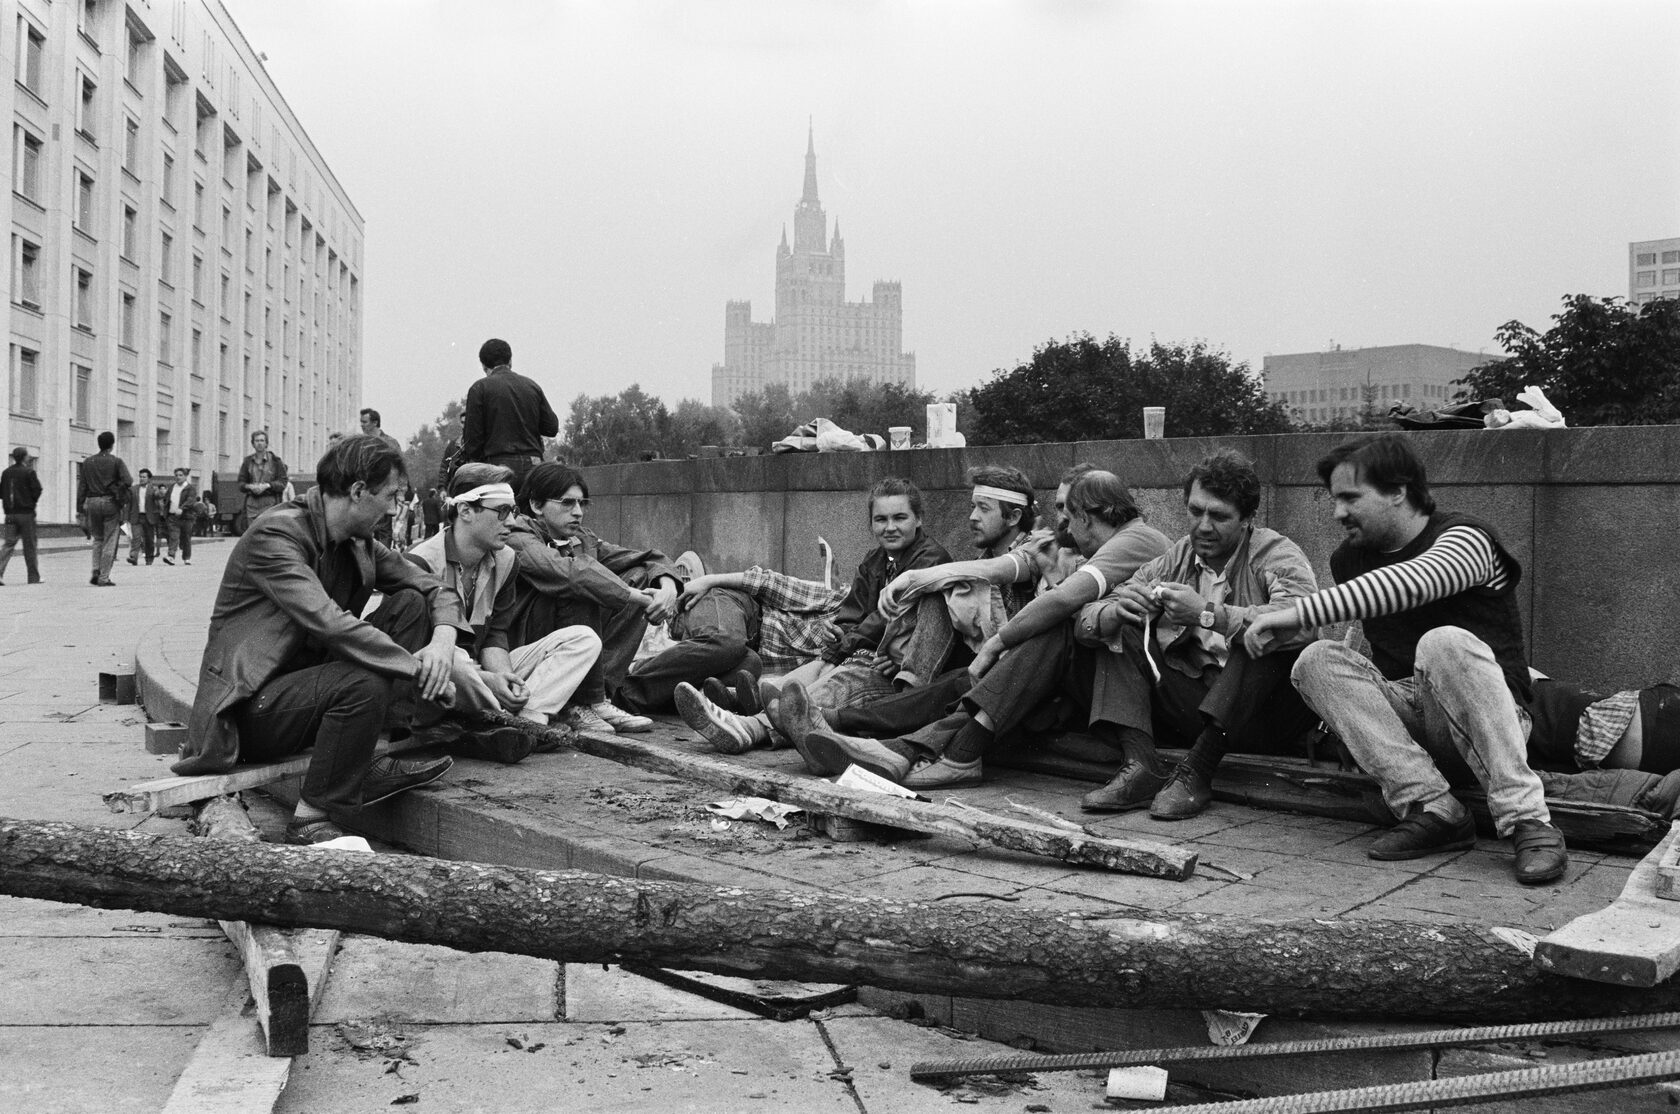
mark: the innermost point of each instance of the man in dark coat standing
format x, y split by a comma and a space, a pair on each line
507, 415
20, 490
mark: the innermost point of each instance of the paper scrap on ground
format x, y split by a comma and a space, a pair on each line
343, 843
856, 777
754, 808
1229, 1027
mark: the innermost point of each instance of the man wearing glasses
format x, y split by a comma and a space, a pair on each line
567, 575
471, 556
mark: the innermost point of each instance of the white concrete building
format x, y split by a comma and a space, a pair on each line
1653, 270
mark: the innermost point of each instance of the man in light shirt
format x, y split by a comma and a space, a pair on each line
180, 515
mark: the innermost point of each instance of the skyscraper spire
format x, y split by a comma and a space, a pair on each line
810, 194
810, 223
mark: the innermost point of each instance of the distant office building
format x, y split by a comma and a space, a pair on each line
816, 332
185, 268
1653, 270
1327, 386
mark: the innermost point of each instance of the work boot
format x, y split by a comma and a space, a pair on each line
1541, 854
942, 773
794, 717
1424, 833
1187, 793
835, 751
1133, 786
389, 776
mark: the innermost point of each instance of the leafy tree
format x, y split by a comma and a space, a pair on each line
694, 424
766, 416
425, 449
852, 403
1603, 362
1085, 389
609, 430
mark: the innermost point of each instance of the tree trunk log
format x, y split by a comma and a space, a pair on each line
1329, 969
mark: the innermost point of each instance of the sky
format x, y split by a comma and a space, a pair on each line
593, 181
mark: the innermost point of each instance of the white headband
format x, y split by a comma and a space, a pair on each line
482, 492
1001, 494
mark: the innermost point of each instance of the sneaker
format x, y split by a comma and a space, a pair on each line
389, 776
507, 745
581, 717
1187, 793
835, 751
184, 561
620, 720
307, 832
942, 773
1424, 833
724, 731
169, 560
106, 582
689, 562
794, 717
1134, 785
1541, 854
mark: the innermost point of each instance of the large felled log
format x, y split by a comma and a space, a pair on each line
1132, 856
1347, 969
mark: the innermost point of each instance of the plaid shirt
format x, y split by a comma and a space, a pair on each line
797, 621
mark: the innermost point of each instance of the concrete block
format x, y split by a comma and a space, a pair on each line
165, 738
735, 530
662, 522
597, 993
422, 983
117, 687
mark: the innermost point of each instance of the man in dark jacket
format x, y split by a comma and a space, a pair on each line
20, 490
101, 501
262, 477
507, 415
145, 516
288, 664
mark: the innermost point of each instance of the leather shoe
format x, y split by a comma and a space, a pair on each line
507, 745
389, 776
1133, 786
720, 694
942, 773
1423, 833
1186, 794
835, 752
794, 717
307, 832
1541, 854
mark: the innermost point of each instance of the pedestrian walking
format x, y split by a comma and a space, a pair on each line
20, 490
101, 501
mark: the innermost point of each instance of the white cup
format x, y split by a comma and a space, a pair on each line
1154, 422
898, 437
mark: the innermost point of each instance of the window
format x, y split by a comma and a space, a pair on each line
84, 300
227, 225
25, 380
198, 206
198, 352
166, 256
198, 278
126, 322
82, 377
1645, 278
227, 295
167, 186
84, 203
1671, 276
206, 131
136, 57
26, 272
166, 338
193, 430
174, 93
27, 170
34, 45
87, 18
130, 223
250, 252
1645, 259
131, 146
1671, 257
224, 363
85, 111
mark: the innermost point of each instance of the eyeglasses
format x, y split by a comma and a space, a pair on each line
574, 504
502, 513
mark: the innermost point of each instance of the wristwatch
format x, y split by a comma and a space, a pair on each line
1206, 617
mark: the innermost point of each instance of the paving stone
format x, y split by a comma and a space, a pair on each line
48, 1069
597, 993
421, 983
145, 980
23, 916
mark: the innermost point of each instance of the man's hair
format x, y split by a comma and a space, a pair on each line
19, 453
495, 353
1386, 462
1228, 475
1100, 495
256, 433
147, 472
1075, 472
182, 472
897, 485
1009, 479
106, 440
371, 415
361, 458
548, 481
469, 476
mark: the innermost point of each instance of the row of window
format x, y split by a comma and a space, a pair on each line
1649, 258
26, 386
1383, 391
1646, 280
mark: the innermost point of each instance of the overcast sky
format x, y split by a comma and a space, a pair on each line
592, 181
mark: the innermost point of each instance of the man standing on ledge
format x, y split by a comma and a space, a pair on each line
507, 415
20, 490
1444, 701
288, 664
101, 500
262, 477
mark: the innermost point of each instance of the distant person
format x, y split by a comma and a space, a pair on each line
507, 415
181, 506
145, 517
372, 427
208, 520
431, 511
101, 499
262, 477
20, 490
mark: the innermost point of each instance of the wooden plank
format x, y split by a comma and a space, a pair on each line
1668, 873
229, 1072
151, 796
1634, 941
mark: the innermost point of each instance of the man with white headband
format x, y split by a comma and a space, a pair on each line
471, 556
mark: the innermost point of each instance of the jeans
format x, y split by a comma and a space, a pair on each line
104, 523
713, 639
142, 540
21, 525
1453, 720
178, 529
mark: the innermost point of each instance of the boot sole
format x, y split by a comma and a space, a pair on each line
693, 713
420, 779
1421, 852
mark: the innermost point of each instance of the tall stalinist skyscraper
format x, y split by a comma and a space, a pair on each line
816, 333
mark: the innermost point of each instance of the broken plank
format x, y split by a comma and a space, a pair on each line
152, 796
1634, 941
229, 1069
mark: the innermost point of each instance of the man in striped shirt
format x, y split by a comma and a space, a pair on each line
1444, 700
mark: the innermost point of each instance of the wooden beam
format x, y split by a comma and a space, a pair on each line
1132, 856
153, 796
1634, 941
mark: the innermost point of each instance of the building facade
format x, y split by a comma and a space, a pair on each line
816, 333
1336, 385
1653, 270
185, 269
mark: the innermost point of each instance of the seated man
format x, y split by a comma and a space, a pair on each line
568, 576
1443, 701
289, 664
471, 557
1034, 655
1178, 624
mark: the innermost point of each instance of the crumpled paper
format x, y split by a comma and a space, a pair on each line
754, 808
1230, 1027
